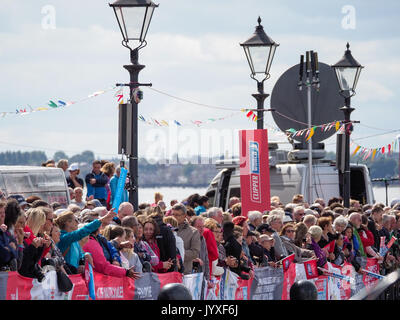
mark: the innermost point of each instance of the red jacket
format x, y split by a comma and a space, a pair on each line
30, 239
101, 264
367, 238
158, 268
212, 248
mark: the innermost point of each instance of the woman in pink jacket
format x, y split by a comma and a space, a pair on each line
101, 265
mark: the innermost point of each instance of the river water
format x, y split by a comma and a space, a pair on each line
147, 194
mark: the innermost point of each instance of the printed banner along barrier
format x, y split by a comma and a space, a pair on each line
268, 284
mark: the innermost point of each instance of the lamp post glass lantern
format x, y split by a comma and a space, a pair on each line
347, 72
133, 17
260, 50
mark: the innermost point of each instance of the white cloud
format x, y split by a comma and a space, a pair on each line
210, 68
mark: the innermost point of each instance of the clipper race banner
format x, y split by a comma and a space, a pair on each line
254, 170
268, 284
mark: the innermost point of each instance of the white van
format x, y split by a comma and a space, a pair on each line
288, 178
47, 183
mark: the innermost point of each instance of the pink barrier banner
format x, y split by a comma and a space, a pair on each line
254, 170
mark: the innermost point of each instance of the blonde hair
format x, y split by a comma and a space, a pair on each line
171, 220
36, 219
106, 232
62, 219
61, 162
158, 196
108, 169
130, 252
142, 218
211, 224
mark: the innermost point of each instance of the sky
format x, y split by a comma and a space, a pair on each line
67, 50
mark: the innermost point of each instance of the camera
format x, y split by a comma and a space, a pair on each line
38, 273
196, 267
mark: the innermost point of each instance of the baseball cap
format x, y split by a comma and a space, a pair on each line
74, 166
265, 227
265, 237
394, 202
250, 233
19, 198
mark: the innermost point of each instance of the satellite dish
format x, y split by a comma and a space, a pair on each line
288, 100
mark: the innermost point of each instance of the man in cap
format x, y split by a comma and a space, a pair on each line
21, 201
265, 228
73, 180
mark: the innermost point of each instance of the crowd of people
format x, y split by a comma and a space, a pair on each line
186, 236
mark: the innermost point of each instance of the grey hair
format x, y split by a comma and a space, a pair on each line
181, 207
340, 221
315, 231
213, 211
386, 218
273, 218
309, 217
297, 208
254, 215
100, 210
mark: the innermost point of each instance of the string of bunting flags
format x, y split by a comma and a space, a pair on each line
180, 123
339, 126
52, 104
366, 153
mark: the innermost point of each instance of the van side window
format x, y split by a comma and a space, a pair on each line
211, 197
234, 192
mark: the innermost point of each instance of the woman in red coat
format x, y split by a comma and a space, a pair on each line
368, 240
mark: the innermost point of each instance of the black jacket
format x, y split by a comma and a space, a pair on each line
71, 184
166, 242
372, 228
234, 248
30, 267
256, 252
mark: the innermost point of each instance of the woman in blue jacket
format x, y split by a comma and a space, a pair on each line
71, 235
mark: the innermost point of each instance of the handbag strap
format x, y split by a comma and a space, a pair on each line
66, 251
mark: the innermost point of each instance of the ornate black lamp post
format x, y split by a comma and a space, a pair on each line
260, 51
133, 17
347, 72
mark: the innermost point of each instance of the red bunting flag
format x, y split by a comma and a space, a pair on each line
287, 261
311, 269
330, 246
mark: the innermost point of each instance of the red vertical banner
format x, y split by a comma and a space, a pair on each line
373, 266
289, 277
254, 170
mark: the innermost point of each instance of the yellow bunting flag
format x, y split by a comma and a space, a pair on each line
373, 154
337, 125
311, 134
356, 150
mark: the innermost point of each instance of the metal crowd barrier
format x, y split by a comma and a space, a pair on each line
386, 289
